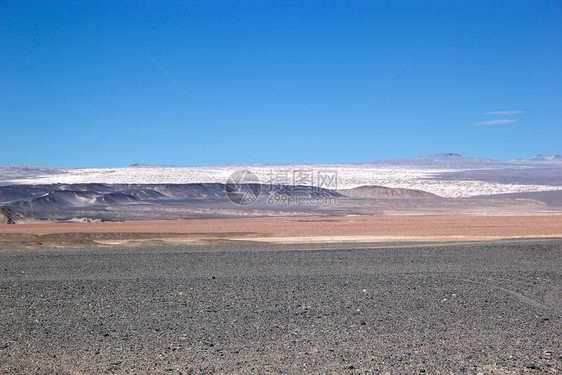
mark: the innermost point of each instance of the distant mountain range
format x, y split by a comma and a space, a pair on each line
452, 160
430, 183
547, 159
19, 203
114, 202
446, 175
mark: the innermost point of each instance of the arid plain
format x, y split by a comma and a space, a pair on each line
383, 228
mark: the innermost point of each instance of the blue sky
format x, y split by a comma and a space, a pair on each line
79, 87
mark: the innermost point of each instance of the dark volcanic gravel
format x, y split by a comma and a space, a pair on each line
405, 309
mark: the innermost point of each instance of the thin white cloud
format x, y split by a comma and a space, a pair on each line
504, 112
495, 122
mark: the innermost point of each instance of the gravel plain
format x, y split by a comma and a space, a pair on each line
448, 308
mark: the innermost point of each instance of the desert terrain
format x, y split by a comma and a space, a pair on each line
280, 187
491, 307
440, 264
445, 227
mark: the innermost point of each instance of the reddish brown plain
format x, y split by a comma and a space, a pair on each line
284, 230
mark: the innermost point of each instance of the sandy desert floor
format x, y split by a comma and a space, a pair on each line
284, 230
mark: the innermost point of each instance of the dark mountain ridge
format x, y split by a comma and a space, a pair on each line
125, 201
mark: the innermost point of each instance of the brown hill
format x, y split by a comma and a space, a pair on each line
8, 216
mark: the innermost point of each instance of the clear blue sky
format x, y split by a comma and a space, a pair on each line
78, 87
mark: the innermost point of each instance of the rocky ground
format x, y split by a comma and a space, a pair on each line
471, 308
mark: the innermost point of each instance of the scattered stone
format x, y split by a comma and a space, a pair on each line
531, 366
262, 318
